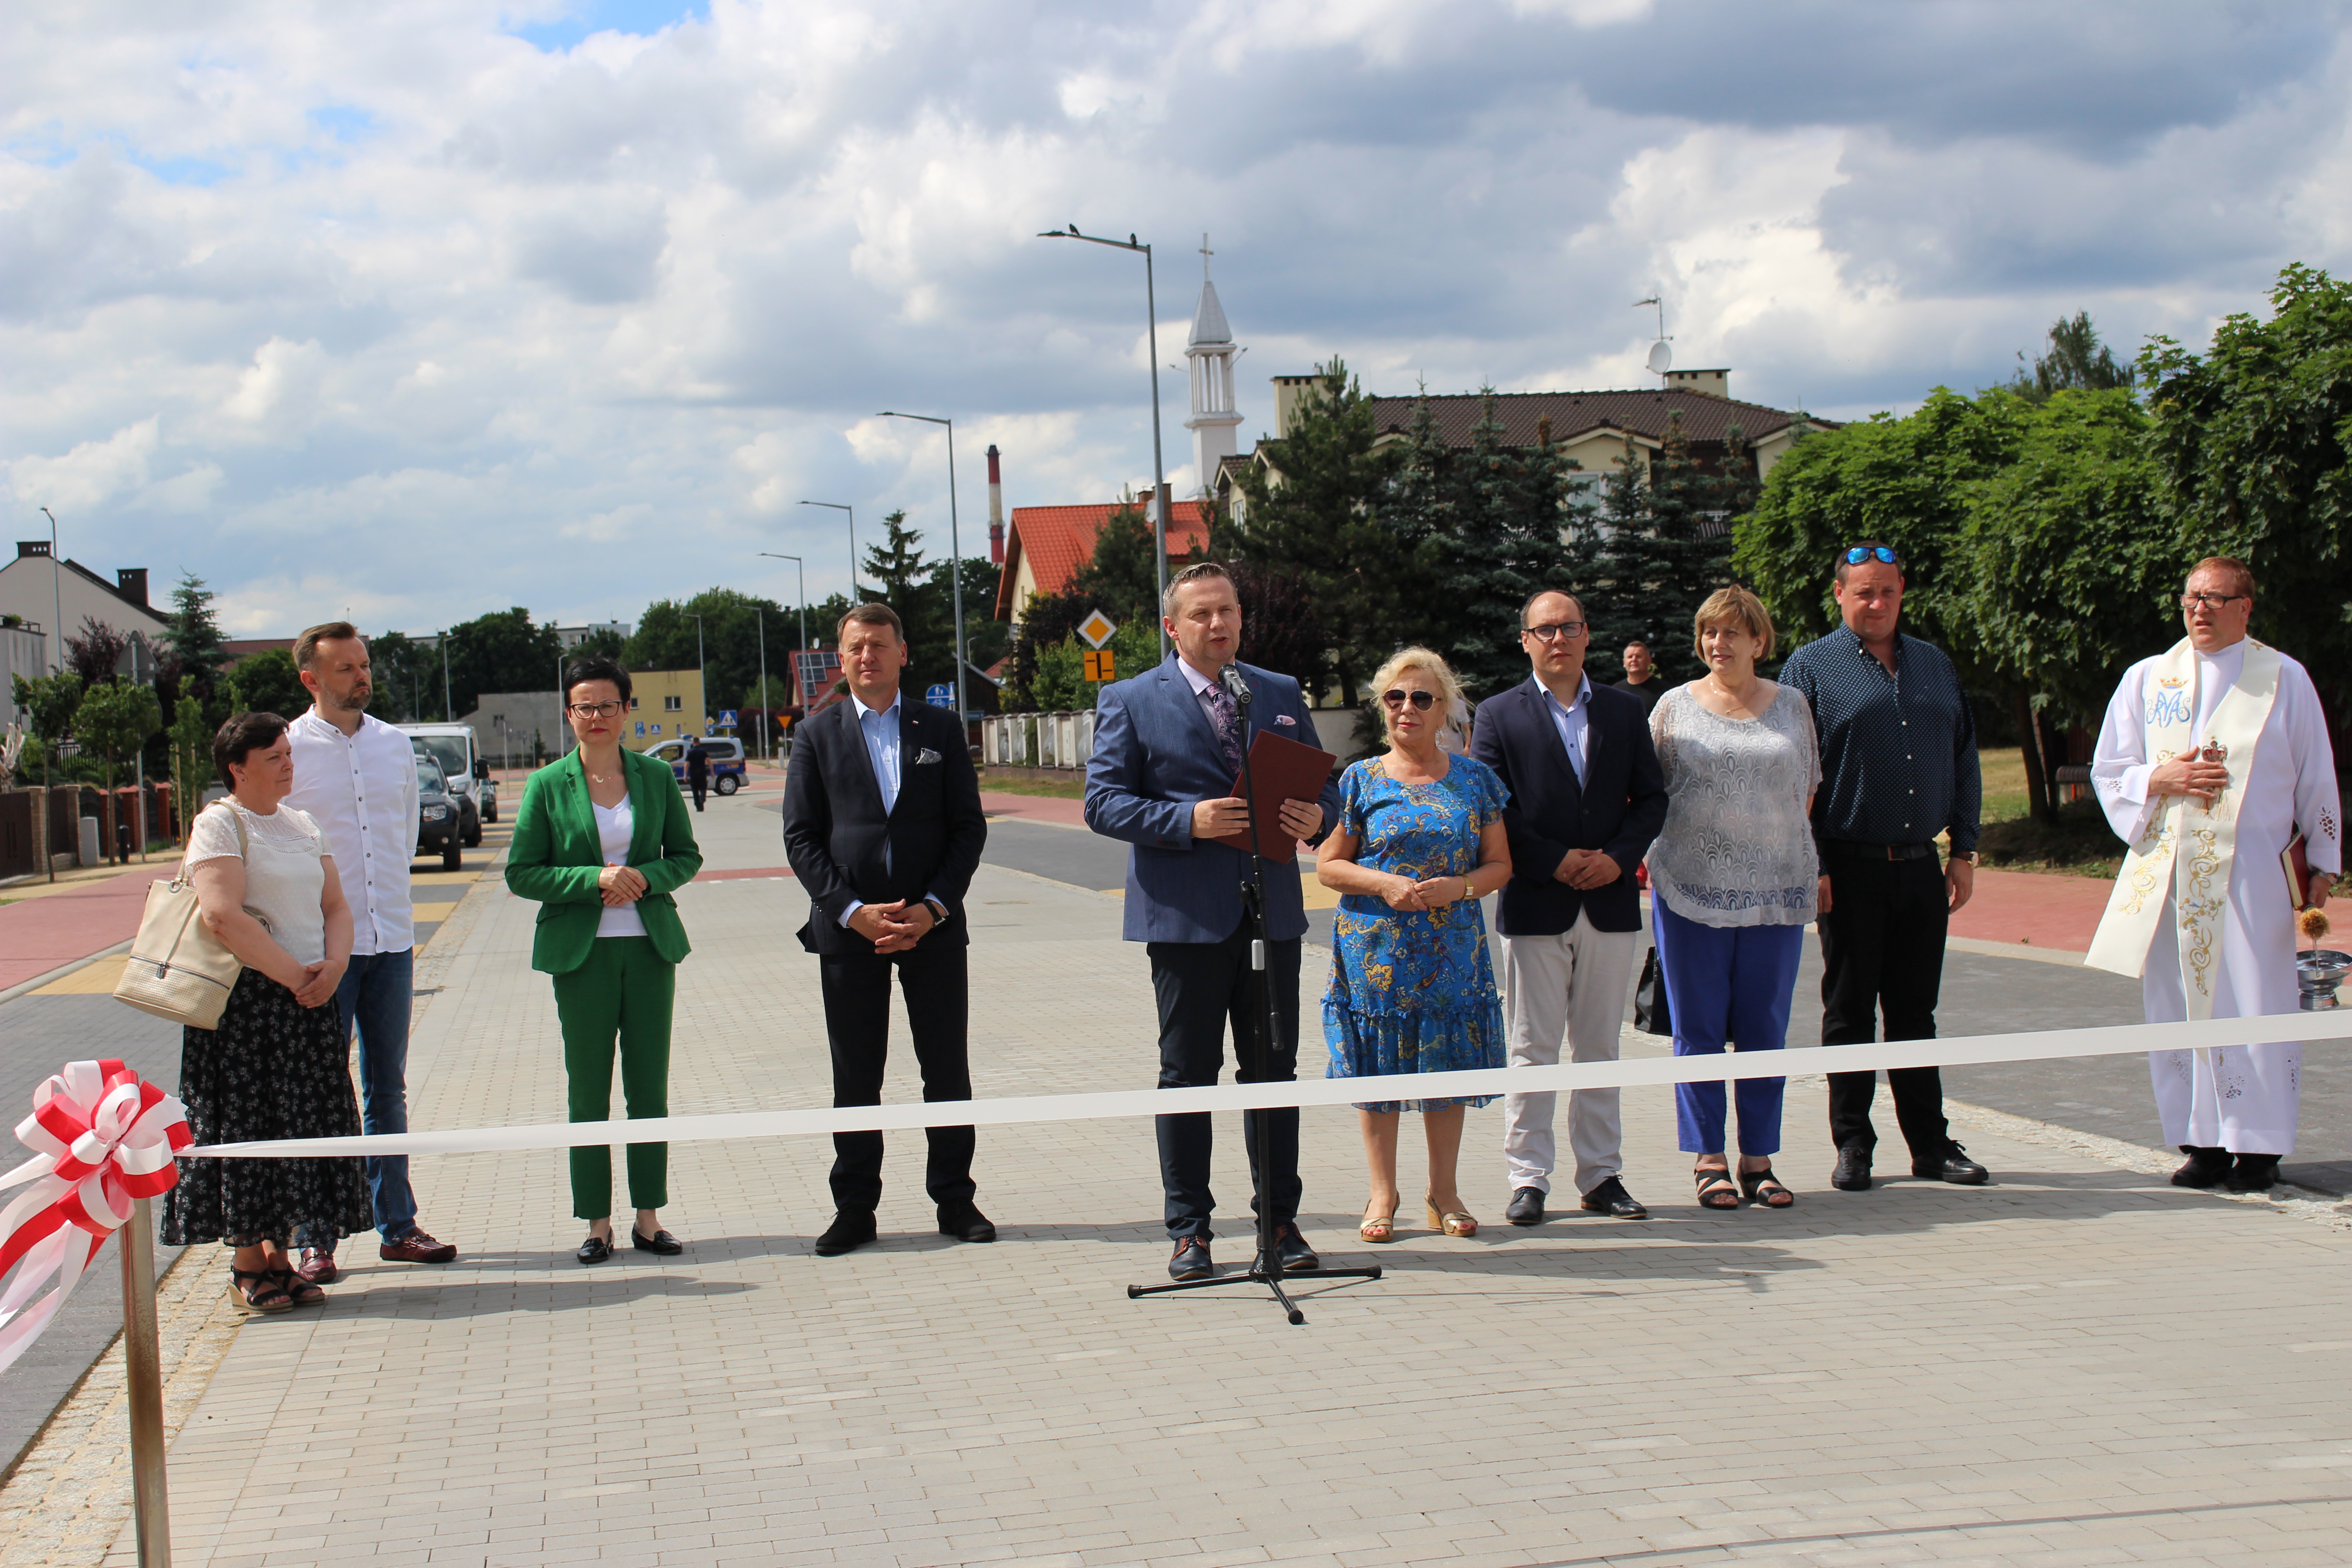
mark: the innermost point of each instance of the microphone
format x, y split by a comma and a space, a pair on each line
1229, 676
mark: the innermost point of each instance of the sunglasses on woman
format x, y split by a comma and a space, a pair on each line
1421, 700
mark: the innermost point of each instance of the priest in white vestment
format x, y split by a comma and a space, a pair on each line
2212, 758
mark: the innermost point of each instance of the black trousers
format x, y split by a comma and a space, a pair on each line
937, 985
1882, 952
698, 785
1200, 986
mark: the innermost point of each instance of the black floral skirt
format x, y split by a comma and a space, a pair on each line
273, 1069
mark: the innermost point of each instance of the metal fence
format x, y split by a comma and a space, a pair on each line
1064, 740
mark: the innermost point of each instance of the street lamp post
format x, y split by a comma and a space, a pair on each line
802, 568
57, 594
837, 506
1160, 507
955, 555
448, 712
701, 672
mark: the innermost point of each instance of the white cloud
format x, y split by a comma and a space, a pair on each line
91, 474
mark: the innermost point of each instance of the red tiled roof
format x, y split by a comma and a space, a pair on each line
1058, 540
1706, 419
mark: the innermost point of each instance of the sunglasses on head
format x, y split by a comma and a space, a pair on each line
1862, 552
1423, 700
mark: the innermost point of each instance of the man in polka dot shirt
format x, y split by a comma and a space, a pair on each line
1898, 768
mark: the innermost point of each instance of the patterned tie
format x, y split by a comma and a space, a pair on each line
1229, 724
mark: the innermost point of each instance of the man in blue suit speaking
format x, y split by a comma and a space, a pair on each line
1167, 746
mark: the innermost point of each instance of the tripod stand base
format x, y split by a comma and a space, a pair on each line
1273, 1280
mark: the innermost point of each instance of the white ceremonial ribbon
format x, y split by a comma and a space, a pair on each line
101, 1138
2187, 848
2119, 1039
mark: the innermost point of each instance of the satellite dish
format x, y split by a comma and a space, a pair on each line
1661, 356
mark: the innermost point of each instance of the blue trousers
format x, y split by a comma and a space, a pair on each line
375, 998
1727, 985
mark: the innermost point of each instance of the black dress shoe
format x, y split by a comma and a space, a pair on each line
1852, 1173
1526, 1206
1291, 1251
1191, 1260
1611, 1199
2205, 1167
660, 1241
2254, 1173
1955, 1167
845, 1233
595, 1250
966, 1223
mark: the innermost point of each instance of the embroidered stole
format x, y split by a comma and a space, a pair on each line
2188, 846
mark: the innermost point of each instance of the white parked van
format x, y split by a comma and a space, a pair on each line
454, 750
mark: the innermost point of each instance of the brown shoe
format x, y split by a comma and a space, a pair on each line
417, 1247
318, 1267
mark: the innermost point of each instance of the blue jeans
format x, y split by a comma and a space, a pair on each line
1726, 986
375, 998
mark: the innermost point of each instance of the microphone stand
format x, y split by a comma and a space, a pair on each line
1267, 1268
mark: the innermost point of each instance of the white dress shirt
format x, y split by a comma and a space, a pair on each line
361, 789
880, 728
1571, 720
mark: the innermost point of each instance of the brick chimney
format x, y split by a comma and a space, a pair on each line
131, 581
33, 549
995, 508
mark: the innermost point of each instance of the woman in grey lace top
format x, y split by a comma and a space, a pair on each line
1733, 878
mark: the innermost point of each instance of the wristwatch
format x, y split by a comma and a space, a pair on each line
939, 912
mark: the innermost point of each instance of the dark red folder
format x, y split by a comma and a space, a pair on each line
1284, 770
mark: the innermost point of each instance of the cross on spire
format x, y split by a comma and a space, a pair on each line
1205, 253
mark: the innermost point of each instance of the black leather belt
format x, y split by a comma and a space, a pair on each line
1848, 849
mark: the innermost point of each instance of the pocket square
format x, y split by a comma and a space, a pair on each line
1285, 719
926, 755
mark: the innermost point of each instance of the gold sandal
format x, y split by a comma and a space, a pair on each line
1455, 1222
1378, 1227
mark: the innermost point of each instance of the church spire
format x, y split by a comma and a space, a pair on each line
1210, 350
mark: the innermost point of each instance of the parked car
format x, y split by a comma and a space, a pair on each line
727, 771
441, 825
465, 771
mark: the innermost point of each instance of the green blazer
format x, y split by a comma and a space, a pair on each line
556, 857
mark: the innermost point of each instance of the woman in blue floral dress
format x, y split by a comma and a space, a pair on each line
1419, 842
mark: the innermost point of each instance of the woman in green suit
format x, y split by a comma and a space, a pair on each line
602, 841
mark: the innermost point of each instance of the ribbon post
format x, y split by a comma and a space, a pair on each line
102, 1142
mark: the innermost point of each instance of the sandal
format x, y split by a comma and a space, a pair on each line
263, 1295
1714, 1189
1764, 1187
299, 1292
1452, 1222
1378, 1227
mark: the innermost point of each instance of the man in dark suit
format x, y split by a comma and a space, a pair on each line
883, 827
1587, 797
697, 769
1168, 745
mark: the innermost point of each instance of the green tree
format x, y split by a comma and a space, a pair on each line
191, 759
730, 631
2252, 443
96, 652
50, 701
2077, 361
114, 720
192, 638
1668, 541
267, 682
1122, 577
408, 677
598, 641
1311, 511
502, 651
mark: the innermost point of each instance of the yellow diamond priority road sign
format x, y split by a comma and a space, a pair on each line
1097, 628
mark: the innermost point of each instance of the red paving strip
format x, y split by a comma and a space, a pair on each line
1034, 808
2056, 913
41, 934
737, 875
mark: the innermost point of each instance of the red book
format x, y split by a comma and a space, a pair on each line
1285, 770
2297, 866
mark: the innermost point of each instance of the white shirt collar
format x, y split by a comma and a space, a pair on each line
896, 698
1194, 678
1583, 691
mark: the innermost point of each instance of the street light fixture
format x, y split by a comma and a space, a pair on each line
56, 592
802, 568
701, 673
955, 553
837, 506
1160, 505
448, 712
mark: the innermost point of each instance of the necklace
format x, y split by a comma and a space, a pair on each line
1743, 700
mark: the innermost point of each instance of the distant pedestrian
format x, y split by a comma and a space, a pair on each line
355, 776
1586, 798
277, 1063
1641, 675
1733, 880
1899, 766
1419, 842
697, 769
602, 839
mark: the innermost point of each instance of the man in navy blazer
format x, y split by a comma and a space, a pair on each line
1587, 797
1168, 745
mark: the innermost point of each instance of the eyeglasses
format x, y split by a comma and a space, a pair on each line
2210, 600
1421, 700
1555, 631
1862, 552
597, 709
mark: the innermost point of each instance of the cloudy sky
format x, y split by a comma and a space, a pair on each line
418, 311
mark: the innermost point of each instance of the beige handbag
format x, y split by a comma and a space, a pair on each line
178, 969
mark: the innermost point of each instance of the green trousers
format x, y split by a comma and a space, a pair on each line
622, 992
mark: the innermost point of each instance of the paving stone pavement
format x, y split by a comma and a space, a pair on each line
2075, 1365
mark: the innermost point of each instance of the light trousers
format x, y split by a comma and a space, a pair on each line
1574, 985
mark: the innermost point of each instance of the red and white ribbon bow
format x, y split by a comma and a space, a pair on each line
100, 1137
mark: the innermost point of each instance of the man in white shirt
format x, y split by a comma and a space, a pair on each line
356, 777
2213, 759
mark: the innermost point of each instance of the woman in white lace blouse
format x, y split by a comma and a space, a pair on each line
1732, 879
